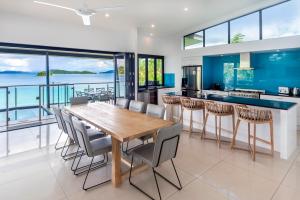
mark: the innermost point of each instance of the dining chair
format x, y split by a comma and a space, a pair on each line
122, 103
79, 100
154, 154
98, 147
92, 135
137, 106
61, 126
153, 111
134, 106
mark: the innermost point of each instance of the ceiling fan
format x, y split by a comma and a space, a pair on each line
83, 12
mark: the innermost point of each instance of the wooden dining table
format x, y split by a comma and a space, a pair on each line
123, 125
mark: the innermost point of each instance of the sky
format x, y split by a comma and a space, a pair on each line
36, 63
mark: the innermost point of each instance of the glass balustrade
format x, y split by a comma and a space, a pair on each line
27, 104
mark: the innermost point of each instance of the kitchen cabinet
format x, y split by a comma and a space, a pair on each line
287, 99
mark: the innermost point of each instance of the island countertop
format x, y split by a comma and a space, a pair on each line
246, 101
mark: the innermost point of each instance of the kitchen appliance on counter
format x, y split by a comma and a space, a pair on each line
296, 91
284, 91
192, 80
246, 93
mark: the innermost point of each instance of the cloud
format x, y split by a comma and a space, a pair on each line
16, 62
8, 62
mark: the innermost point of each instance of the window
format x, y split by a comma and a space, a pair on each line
159, 71
245, 28
216, 35
194, 40
228, 78
142, 71
281, 20
150, 70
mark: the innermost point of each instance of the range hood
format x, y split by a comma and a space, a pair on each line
244, 62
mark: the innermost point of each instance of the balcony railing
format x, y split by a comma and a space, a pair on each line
30, 105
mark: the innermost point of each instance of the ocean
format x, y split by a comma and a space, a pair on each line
27, 95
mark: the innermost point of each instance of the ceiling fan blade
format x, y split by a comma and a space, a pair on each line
109, 8
86, 20
54, 5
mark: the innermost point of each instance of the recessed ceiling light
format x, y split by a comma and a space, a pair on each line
151, 34
152, 25
107, 15
186, 9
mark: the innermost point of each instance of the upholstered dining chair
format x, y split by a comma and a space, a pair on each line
154, 154
122, 103
98, 147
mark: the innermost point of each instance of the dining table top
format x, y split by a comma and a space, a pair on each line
122, 124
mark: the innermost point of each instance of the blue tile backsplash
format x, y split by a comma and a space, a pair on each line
169, 79
271, 70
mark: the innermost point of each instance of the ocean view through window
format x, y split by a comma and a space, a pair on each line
23, 82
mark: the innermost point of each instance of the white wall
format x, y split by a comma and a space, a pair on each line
194, 56
167, 46
27, 30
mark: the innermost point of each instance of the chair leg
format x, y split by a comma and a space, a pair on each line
181, 115
74, 159
203, 119
156, 183
131, 183
177, 187
87, 188
57, 148
216, 128
235, 133
272, 138
172, 113
249, 136
64, 146
220, 131
204, 126
233, 123
95, 165
254, 143
191, 123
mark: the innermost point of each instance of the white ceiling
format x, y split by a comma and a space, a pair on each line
167, 15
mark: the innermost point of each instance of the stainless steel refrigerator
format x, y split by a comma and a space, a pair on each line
191, 80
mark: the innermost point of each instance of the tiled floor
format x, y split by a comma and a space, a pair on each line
206, 173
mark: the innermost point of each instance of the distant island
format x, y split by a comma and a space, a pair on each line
107, 72
60, 71
14, 72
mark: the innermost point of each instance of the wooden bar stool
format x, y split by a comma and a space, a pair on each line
171, 101
254, 116
218, 110
181, 108
192, 105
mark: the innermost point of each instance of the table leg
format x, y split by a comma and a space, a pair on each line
116, 163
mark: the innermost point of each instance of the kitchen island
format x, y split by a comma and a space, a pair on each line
284, 118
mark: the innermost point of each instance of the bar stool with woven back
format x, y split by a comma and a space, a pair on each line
218, 110
192, 105
171, 101
181, 109
254, 116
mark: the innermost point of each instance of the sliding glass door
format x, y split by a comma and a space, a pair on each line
125, 75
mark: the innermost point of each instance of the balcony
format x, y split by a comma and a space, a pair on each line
30, 105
